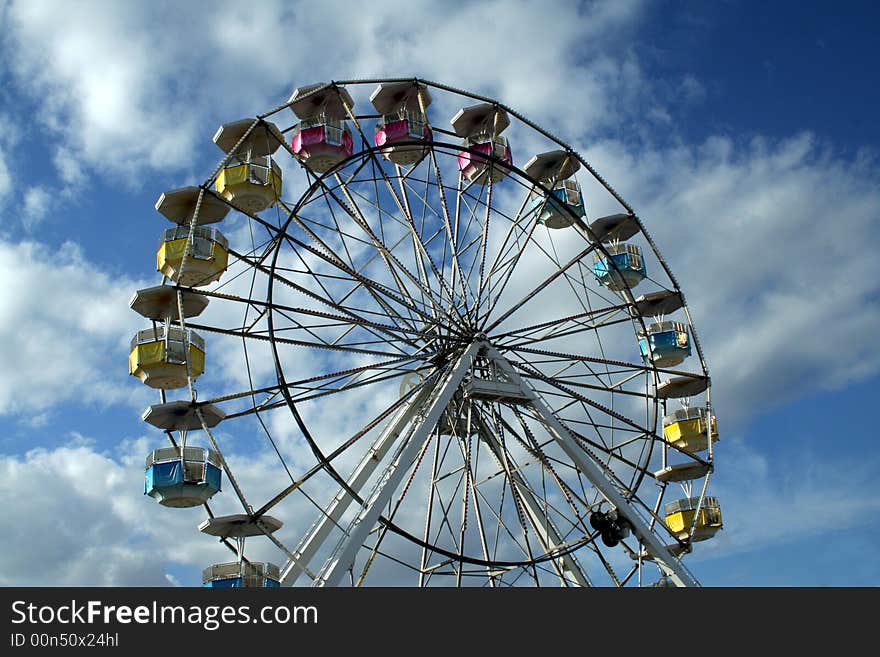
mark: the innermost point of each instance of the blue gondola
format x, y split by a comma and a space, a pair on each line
562, 206
182, 482
665, 343
624, 268
245, 574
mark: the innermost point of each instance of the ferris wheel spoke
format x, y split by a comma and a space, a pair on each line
295, 342
314, 329
330, 255
478, 515
346, 317
415, 234
503, 261
452, 235
535, 375
569, 385
382, 530
484, 240
323, 391
557, 329
507, 266
429, 513
386, 254
512, 478
275, 276
507, 252
378, 292
540, 287
535, 506
330, 516
407, 223
420, 252
624, 366
474, 229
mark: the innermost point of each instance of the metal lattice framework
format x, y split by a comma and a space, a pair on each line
431, 382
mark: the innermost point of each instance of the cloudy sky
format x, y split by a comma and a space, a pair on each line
744, 135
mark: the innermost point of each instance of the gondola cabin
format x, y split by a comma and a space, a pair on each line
252, 184
182, 480
688, 429
322, 142
250, 180
487, 150
244, 574
322, 139
623, 268
686, 522
396, 134
402, 131
159, 356
206, 259
480, 167
562, 206
665, 343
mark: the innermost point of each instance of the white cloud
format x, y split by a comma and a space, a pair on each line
172, 580
64, 330
37, 203
69, 168
788, 499
770, 241
103, 531
98, 83
124, 98
5, 177
9, 135
74, 499
692, 90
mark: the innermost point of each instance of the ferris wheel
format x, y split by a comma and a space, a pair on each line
450, 368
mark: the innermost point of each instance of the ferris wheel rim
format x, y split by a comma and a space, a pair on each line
370, 152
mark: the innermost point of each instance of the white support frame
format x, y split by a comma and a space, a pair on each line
546, 532
307, 548
421, 416
669, 564
342, 559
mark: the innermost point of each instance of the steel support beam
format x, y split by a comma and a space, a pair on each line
587, 465
358, 478
342, 559
546, 532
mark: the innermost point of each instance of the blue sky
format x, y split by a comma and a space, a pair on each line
743, 133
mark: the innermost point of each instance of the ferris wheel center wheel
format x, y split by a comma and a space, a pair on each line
442, 354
